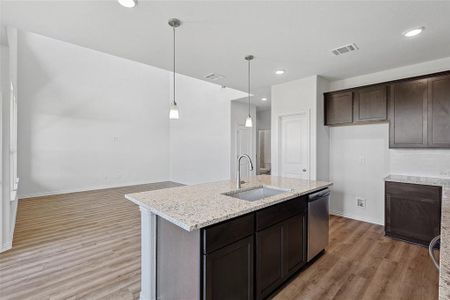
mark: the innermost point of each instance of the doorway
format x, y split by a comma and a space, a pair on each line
294, 146
263, 154
244, 140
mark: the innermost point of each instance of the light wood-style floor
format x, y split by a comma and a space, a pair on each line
87, 246
75, 246
361, 263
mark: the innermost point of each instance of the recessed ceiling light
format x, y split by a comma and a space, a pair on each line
413, 32
128, 3
264, 99
280, 72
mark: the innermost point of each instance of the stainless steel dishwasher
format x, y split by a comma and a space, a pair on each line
318, 222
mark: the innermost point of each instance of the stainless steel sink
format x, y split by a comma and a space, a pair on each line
256, 193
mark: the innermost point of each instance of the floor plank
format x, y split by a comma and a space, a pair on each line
361, 263
76, 246
87, 246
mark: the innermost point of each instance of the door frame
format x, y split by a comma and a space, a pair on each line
306, 113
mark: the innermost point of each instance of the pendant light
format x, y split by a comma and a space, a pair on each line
249, 121
173, 112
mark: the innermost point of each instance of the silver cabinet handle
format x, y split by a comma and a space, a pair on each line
304, 170
431, 252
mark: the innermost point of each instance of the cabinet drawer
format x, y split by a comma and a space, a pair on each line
222, 234
280, 212
414, 191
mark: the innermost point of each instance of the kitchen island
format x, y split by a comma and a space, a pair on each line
184, 231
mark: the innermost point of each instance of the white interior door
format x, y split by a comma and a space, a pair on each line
244, 146
294, 146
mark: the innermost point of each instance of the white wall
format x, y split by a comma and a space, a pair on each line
350, 143
322, 133
239, 113
4, 96
290, 98
428, 67
200, 139
359, 160
263, 119
88, 120
420, 162
9, 199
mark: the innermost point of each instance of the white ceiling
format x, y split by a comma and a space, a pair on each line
216, 35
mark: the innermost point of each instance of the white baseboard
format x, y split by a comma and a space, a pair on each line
85, 189
6, 246
358, 218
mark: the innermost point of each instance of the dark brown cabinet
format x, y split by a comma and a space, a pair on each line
418, 109
249, 257
339, 108
408, 114
269, 260
412, 211
439, 111
228, 272
370, 104
279, 254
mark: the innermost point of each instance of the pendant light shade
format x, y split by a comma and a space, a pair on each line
174, 114
249, 121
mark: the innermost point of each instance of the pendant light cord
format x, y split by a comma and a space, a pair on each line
249, 87
174, 101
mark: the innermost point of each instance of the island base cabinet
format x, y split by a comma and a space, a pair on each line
280, 252
228, 272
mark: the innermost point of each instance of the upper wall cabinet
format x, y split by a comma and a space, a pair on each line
439, 112
339, 108
370, 104
408, 114
418, 109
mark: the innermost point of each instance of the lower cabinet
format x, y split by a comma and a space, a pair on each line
280, 252
412, 211
249, 257
228, 272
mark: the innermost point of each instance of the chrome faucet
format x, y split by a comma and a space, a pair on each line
238, 173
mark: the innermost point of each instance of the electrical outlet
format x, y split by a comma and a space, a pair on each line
361, 202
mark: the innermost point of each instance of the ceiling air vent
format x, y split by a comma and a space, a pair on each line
214, 76
345, 49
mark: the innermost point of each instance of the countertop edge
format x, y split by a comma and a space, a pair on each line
191, 228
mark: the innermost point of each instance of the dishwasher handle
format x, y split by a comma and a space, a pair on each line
318, 195
433, 243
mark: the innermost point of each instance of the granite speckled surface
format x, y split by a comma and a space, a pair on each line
196, 206
444, 272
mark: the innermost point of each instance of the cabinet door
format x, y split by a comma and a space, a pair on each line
370, 104
294, 246
408, 114
228, 272
269, 260
339, 108
280, 252
413, 212
439, 112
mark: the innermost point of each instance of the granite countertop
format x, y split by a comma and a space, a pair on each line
444, 272
196, 206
